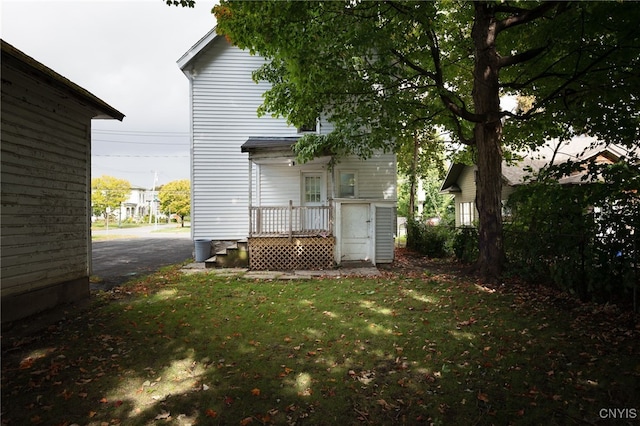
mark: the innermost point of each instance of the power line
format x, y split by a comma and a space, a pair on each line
138, 143
139, 156
139, 132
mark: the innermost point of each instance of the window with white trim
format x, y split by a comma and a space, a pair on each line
347, 185
467, 211
312, 189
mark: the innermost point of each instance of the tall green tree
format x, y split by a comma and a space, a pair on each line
175, 197
383, 70
420, 157
108, 193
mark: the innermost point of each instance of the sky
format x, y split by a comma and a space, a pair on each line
124, 52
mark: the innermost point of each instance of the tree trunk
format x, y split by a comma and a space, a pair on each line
413, 177
488, 134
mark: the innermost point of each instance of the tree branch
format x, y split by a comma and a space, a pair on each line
520, 57
523, 16
412, 65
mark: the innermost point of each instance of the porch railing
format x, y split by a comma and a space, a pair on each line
290, 221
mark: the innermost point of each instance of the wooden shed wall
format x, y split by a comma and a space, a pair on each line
45, 238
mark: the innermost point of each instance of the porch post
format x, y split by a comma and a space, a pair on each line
250, 194
290, 220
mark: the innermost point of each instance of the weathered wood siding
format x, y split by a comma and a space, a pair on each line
224, 103
45, 161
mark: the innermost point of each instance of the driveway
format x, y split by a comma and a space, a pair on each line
128, 253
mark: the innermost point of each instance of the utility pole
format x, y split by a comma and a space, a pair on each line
153, 197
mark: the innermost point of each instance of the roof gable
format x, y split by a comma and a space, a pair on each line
190, 55
15, 57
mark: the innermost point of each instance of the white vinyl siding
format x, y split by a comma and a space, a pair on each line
45, 179
385, 219
376, 176
224, 114
224, 101
278, 184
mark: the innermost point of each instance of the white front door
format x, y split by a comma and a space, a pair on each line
355, 234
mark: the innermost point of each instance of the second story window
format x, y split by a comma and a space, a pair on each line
311, 127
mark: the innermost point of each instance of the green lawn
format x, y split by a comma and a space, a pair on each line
414, 348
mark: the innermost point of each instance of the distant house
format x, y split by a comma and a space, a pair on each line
137, 205
46, 185
248, 187
460, 180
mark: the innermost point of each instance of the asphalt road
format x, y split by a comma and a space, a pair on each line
137, 251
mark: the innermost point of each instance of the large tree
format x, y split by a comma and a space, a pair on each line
108, 193
175, 197
386, 70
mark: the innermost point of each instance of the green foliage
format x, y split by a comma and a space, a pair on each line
427, 239
584, 238
108, 192
465, 244
175, 197
383, 72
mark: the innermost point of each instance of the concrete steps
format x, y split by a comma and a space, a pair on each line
229, 254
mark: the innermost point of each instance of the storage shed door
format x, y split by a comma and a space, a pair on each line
355, 231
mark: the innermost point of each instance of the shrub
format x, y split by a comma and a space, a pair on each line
430, 240
583, 238
464, 244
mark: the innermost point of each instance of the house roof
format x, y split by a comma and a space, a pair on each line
578, 149
450, 181
254, 144
15, 57
195, 50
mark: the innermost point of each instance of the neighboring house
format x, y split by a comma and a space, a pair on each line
460, 180
137, 204
247, 184
46, 185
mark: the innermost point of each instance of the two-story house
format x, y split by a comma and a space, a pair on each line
248, 186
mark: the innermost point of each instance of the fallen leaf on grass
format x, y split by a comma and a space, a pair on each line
246, 421
26, 363
385, 405
164, 415
211, 413
469, 322
255, 392
483, 397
